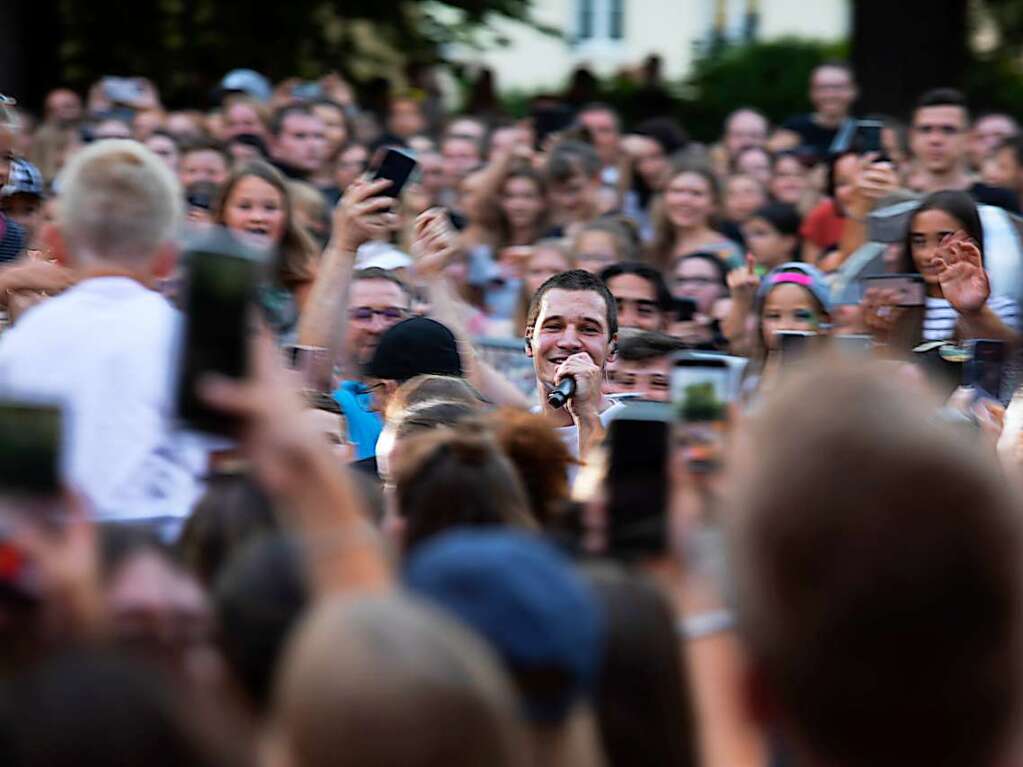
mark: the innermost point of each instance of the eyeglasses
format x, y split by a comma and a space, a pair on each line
366, 313
697, 281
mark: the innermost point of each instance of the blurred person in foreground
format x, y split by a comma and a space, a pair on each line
104, 348
542, 619
385, 681
878, 573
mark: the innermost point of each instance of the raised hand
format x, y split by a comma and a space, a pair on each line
744, 282
964, 282
881, 312
362, 214
434, 243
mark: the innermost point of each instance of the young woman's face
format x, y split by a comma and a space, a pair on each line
926, 232
790, 180
755, 163
788, 307
544, 264
651, 161
521, 202
769, 247
688, 200
743, 195
697, 279
255, 209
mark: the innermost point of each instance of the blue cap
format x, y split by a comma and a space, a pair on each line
247, 81
25, 178
526, 599
796, 272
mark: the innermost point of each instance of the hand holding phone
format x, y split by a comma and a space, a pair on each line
221, 286
396, 166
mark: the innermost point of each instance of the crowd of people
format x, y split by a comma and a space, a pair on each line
403, 552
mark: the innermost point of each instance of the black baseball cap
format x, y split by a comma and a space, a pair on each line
413, 347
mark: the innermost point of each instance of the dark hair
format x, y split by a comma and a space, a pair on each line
319, 400
426, 416
569, 158
958, 205
233, 510
376, 273
576, 279
91, 707
942, 97
781, 216
1015, 144
278, 118
644, 271
450, 478
259, 597
665, 131
715, 261
252, 140
648, 345
205, 145
642, 699
167, 135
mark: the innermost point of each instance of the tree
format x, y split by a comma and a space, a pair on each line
187, 45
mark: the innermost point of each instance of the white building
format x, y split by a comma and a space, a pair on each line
606, 35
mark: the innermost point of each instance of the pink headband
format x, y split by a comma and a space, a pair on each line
799, 279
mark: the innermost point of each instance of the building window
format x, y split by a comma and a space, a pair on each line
600, 20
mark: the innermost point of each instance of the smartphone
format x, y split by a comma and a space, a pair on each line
309, 362
853, 345
794, 345
985, 369
868, 139
909, 287
220, 287
396, 165
31, 436
685, 309
701, 389
636, 482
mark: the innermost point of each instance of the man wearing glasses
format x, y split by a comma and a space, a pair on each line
939, 139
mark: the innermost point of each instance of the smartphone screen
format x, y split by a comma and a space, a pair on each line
701, 389
868, 136
396, 166
909, 288
637, 481
985, 370
853, 345
219, 292
685, 309
30, 448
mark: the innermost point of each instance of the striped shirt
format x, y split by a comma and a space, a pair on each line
940, 318
12, 239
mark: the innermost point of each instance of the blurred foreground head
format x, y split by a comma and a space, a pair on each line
386, 681
878, 569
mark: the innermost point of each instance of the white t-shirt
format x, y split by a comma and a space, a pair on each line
570, 434
106, 351
940, 318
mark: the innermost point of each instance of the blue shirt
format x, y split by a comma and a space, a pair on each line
364, 424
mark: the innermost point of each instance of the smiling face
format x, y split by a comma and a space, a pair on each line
788, 307
374, 305
569, 322
636, 299
255, 209
927, 230
790, 180
743, 195
689, 201
521, 202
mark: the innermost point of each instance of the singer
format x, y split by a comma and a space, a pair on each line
571, 329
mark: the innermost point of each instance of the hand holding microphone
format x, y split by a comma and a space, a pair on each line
578, 379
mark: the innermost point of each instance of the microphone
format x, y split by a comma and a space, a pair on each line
562, 393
